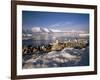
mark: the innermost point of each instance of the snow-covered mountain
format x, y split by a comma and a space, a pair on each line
55, 30
38, 29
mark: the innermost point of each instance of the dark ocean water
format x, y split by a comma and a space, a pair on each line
35, 43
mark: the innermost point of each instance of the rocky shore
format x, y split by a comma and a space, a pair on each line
56, 54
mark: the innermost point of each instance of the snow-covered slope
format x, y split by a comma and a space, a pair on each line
39, 29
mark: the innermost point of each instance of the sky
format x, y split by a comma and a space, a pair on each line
56, 20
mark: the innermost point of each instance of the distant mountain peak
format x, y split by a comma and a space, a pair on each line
39, 29
36, 29
55, 30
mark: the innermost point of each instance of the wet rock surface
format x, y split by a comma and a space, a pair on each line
64, 58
